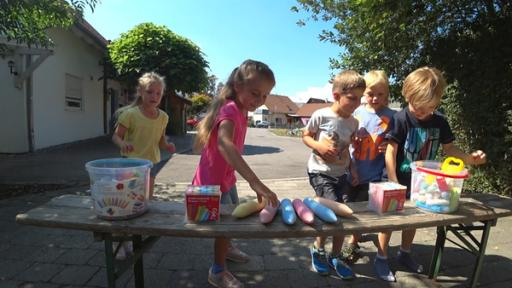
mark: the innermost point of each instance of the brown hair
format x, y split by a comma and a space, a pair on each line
346, 81
246, 72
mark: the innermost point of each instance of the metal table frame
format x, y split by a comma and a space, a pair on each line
467, 241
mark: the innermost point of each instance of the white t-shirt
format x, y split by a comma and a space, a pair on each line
330, 128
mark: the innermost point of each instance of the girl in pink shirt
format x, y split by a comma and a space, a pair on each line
221, 136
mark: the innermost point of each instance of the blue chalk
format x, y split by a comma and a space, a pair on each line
287, 212
320, 210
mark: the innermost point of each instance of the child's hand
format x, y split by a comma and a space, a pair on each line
477, 158
262, 191
383, 146
126, 147
327, 152
170, 147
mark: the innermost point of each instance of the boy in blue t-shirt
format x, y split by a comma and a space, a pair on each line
369, 146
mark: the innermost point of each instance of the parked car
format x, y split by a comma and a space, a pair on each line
192, 122
262, 124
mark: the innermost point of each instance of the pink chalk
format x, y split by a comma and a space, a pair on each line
304, 213
268, 213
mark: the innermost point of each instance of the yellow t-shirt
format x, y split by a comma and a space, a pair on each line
143, 133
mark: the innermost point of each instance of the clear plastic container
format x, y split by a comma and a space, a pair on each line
434, 189
119, 187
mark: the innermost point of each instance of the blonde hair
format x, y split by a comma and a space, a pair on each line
147, 79
247, 71
346, 81
424, 86
375, 77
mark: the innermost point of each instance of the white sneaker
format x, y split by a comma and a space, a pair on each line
224, 279
234, 254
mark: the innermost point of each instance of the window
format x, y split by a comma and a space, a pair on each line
261, 111
74, 101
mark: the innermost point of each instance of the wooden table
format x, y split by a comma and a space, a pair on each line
477, 212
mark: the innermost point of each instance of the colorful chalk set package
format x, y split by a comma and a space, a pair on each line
435, 186
119, 187
202, 203
384, 197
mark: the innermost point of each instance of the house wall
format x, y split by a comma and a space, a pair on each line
53, 123
13, 119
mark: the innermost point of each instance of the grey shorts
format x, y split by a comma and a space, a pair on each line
358, 193
329, 187
230, 197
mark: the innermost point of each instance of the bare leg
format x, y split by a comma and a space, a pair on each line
383, 244
319, 242
337, 244
151, 186
220, 250
407, 239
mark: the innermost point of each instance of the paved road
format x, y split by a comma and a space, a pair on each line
270, 156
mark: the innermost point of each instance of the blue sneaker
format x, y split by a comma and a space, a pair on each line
318, 261
382, 269
405, 259
342, 269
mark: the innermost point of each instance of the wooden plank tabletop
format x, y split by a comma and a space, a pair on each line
167, 219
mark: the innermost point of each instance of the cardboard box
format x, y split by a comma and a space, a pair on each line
384, 197
202, 203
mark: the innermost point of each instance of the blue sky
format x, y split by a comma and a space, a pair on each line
230, 31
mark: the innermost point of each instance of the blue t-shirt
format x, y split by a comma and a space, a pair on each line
371, 131
417, 140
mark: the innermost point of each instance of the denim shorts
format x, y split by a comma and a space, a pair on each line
230, 197
328, 187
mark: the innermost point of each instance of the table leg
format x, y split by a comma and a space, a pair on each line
435, 264
481, 252
138, 268
109, 260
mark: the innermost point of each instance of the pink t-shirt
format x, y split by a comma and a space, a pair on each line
213, 168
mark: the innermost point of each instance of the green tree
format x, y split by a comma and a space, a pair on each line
148, 47
199, 103
27, 21
470, 40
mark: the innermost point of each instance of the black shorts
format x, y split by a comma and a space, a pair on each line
328, 187
357, 193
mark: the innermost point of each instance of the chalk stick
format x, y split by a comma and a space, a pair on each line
268, 213
304, 213
287, 212
338, 208
320, 210
247, 208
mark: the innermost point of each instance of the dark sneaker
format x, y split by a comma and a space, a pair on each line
382, 269
224, 279
405, 259
352, 253
318, 261
341, 267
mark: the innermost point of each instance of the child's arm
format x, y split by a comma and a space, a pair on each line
352, 165
390, 158
118, 137
170, 147
228, 150
327, 152
475, 158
